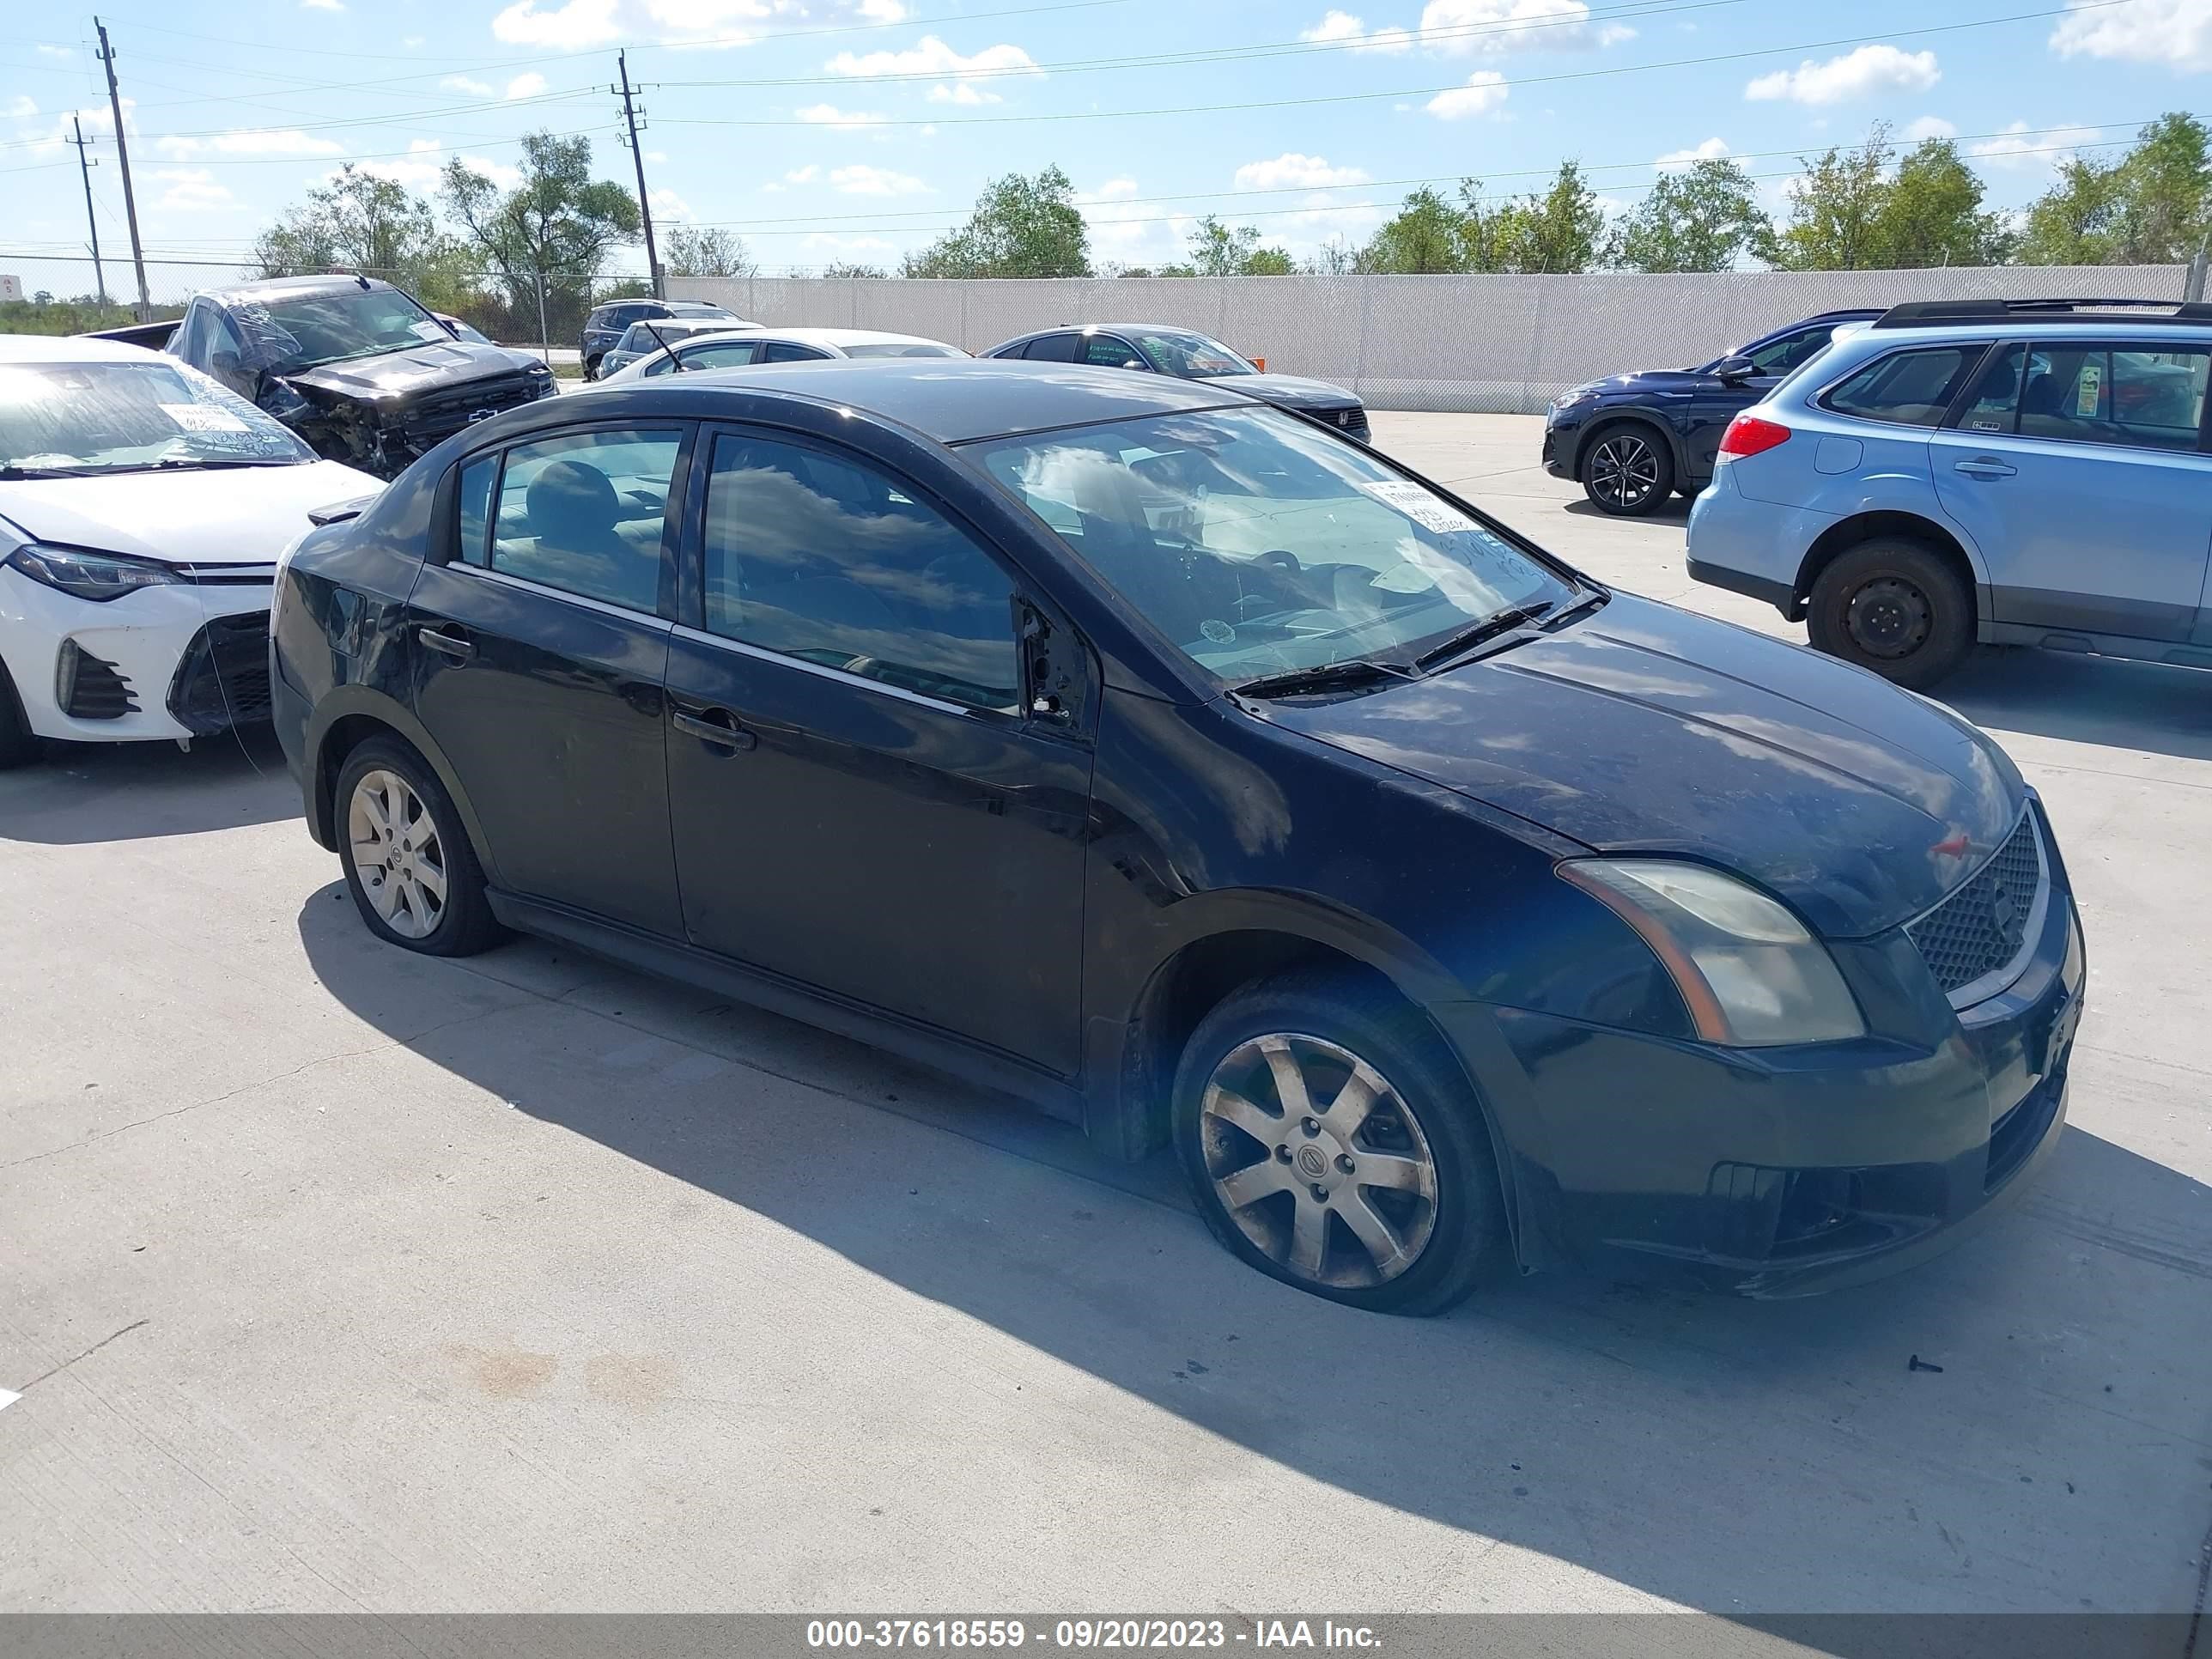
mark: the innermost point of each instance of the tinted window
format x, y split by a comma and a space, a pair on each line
2142, 396
584, 513
1109, 351
1052, 348
1780, 356
1911, 388
784, 351
475, 491
824, 559
720, 353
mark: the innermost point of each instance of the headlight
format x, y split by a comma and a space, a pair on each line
1752, 974
99, 577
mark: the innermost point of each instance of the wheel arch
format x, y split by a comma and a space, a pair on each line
1606, 420
1839, 537
348, 717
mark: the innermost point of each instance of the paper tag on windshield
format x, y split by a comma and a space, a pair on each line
203, 417
1423, 508
430, 329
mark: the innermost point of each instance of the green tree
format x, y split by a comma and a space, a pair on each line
356, 221
1931, 214
850, 269
559, 222
2165, 192
1422, 238
1216, 250
705, 251
1557, 232
1835, 210
1704, 218
1021, 227
2073, 222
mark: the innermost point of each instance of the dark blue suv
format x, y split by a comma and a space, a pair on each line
1632, 439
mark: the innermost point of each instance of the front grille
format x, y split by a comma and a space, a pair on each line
223, 680
89, 688
1981, 928
442, 414
1353, 420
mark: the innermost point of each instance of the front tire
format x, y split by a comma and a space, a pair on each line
1331, 1141
1628, 471
1896, 607
408, 862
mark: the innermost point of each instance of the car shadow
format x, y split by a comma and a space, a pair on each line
1676, 512
1916, 1444
75, 793
2105, 701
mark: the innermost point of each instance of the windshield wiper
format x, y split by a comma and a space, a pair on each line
1498, 622
192, 464
1325, 676
11, 473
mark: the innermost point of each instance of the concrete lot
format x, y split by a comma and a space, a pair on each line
335, 1278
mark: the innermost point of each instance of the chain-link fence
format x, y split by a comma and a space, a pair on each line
1484, 345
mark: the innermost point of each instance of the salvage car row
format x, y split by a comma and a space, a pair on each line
1178, 764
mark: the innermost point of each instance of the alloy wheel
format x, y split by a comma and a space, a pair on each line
1889, 617
1624, 470
397, 853
1318, 1161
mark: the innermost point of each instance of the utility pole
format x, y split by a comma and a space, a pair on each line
123, 159
85, 165
644, 208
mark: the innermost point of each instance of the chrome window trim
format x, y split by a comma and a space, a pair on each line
1998, 979
761, 653
523, 584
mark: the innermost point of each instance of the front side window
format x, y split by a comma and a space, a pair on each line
585, 513
1906, 388
1261, 546
720, 353
67, 419
821, 558
1780, 356
283, 333
1110, 351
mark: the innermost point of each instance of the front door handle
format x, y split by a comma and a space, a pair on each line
722, 733
1986, 466
445, 644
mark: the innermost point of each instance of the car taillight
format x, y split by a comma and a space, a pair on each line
1750, 435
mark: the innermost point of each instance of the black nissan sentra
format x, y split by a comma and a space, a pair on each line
1203, 777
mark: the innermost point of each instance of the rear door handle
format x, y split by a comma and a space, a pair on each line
1986, 467
724, 732
450, 645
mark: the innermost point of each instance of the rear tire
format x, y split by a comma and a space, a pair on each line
1627, 471
1894, 606
18, 747
1332, 1142
408, 862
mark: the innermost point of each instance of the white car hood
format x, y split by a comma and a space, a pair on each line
241, 516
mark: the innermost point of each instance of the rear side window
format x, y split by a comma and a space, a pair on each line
475, 507
1053, 348
585, 513
785, 351
1906, 388
2142, 396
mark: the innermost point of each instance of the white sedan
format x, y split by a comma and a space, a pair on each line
142, 511
737, 348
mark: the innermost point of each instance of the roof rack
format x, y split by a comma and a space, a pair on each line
1923, 313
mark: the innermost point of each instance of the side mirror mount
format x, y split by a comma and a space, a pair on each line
1734, 371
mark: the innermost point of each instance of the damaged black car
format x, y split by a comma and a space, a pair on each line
353, 365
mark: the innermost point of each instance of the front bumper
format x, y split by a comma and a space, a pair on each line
170, 662
1558, 448
1782, 1172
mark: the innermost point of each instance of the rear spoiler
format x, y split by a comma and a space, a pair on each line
339, 512
152, 335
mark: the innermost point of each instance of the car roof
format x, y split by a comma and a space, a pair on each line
2049, 325
840, 337
1116, 326
951, 399
73, 348
698, 307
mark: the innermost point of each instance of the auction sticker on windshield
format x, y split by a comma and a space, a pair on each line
203, 417
1417, 504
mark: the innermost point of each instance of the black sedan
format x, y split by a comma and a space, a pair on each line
1155, 348
1136, 748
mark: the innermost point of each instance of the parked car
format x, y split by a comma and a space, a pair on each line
143, 508
461, 331
1188, 355
643, 338
607, 324
1632, 440
2018, 473
353, 365
1204, 776
740, 349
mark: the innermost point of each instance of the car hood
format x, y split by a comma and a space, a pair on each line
242, 515
409, 371
1292, 389
1646, 380
1647, 729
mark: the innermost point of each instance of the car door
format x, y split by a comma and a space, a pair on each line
861, 802
1715, 402
2080, 471
541, 645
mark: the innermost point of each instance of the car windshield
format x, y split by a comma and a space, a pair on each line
1190, 356
128, 416
301, 330
1261, 545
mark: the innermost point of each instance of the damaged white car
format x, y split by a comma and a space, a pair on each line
142, 511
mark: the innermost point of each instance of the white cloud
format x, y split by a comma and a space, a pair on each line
706, 16
805, 175
656, 156
668, 205
1859, 74
55, 52
1341, 26
505, 174
863, 180
966, 93
22, 109
527, 85
193, 190
2176, 33
1291, 170
1929, 126
882, 11
579, 23
829, 115
417, 170
255, 142
463, 84
322, 5
412, 41
931, 56
2018, 149
1676, 160
1458, 28
1484, 90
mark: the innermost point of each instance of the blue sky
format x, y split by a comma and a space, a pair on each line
826, 130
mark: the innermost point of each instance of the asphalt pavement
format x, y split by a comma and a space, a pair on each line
334, 1279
